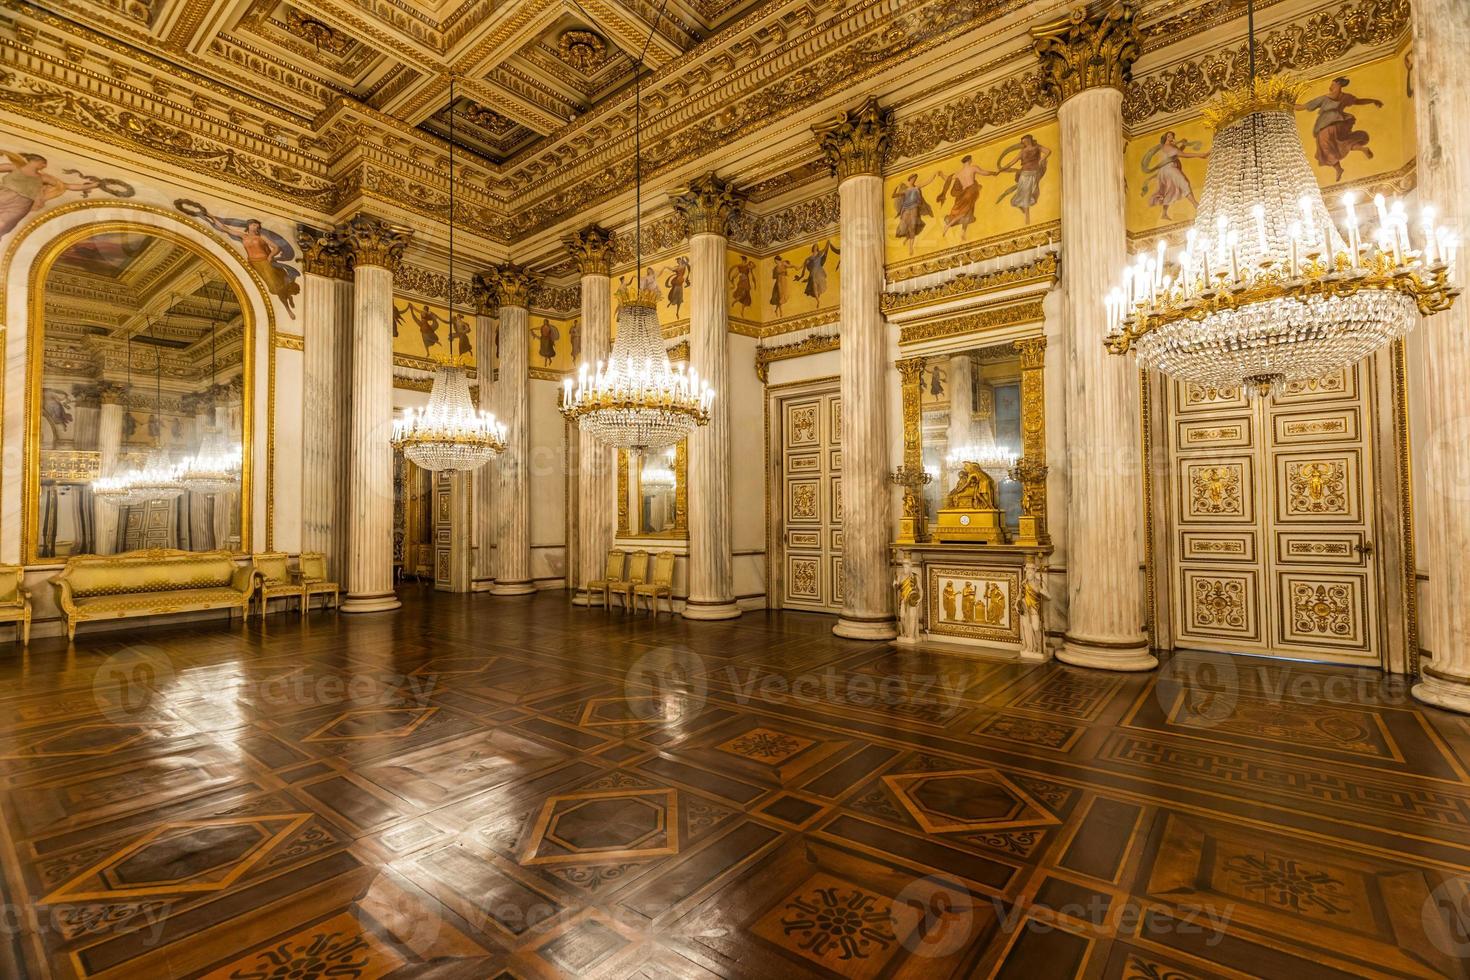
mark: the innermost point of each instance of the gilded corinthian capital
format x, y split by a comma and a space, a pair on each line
708, 204
591, 249
855, 142
373, 241
1087, 49
512, 283
323, 253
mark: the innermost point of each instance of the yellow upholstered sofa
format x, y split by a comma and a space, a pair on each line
151, 583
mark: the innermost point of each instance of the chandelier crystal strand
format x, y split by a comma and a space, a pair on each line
449, 433
215, 465
1265, 290
158, 479
636, 400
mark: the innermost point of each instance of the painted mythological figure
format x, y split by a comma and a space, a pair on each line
265, 251
963, 188
1334, 129
26, 187
1166, 176
1029, 166
912, 208
546, 336
676, 281
814, 271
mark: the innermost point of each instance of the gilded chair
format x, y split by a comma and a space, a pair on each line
15, 602
660, 583
273, 580
612, 578
313, 579
637, 575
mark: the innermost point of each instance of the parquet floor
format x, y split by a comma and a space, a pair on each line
482, 788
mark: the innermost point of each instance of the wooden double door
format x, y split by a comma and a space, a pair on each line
1274, 527
809, 481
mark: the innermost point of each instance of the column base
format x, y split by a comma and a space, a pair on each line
513, 588
711, 610
1443, 691
1103, 655
379, 602
861, 628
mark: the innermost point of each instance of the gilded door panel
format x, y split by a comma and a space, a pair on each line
1218, 490
1218, 545
1325, 610
1342, 386
1319, 487
1227, 433
1192, 398
811, 501
1317, 427
1321, 548
1221, 603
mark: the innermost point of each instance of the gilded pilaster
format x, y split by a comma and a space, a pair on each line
591, 249
911, 476
1087, 49
513, 284
1031, 469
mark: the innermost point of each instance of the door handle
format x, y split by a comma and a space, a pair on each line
1363, 548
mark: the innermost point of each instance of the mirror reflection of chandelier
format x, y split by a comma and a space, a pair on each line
1266, 290
449, 433
635, 399
158, 476
659, 475
215, 465
988, 458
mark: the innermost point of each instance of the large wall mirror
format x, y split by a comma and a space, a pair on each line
140, 398
979, 405
653, 493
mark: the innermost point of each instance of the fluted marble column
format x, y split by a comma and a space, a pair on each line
707, 204
1442, 113
513, 488
591, 249
855, 145
485, 477
376, 248
1086, 59
111, 398
326, 318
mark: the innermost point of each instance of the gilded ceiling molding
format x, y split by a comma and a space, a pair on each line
374, 241
512, 283
1023, 310
1087, 50
323, 253
815, 344
856, 142
591, 250
659, 235
707, 205
1003, 103
971, 284
313, 32
431, 285
1293, 48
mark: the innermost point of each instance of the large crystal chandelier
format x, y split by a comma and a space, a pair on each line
158, 476
215, 465
1265, 289
449, 433
635, 399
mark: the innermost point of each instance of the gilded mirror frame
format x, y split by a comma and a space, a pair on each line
36, 358
1031, 468
630, 487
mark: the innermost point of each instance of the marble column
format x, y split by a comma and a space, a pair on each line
111, 399
591, 249
326, 319
484, 478
377, 247
1442, 115
707, 204
1086, 58
513, 286
855, 145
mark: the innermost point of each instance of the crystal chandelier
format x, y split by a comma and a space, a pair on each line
449, 433
659, 476
215, 465
989, 458
158, 477
1265, 290
636, 400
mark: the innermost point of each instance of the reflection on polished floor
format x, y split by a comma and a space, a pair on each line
484, 788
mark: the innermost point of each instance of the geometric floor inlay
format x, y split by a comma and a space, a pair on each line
604, 825
836, 924
765, 745
969, 799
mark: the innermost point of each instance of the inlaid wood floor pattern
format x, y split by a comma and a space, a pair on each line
479, 787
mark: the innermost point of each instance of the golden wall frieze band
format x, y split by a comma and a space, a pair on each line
794, 324
660, 234
556, 300
788, 224
591, 250
856, 142
291, 341
374, 241
1026, 309
707, 205
981, 250
1087, 50
431, 285
1003, 103
1292, 48
971, 284
815, 344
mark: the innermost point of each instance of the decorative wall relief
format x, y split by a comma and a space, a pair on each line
268, 253
974, 602
27, 185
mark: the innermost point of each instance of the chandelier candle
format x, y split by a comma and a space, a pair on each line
1284, 298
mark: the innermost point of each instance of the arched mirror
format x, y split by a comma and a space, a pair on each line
140, 398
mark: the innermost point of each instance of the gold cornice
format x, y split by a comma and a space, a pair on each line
971, 284
708, 204
1087, 49
817, 344
1023, 310
1005, 243
856, 142
373, 241
591, 250
793, 324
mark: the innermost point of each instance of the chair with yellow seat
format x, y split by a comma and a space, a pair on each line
636, 576
313, 578
273, 580
15, 602
660, 583
612, 578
